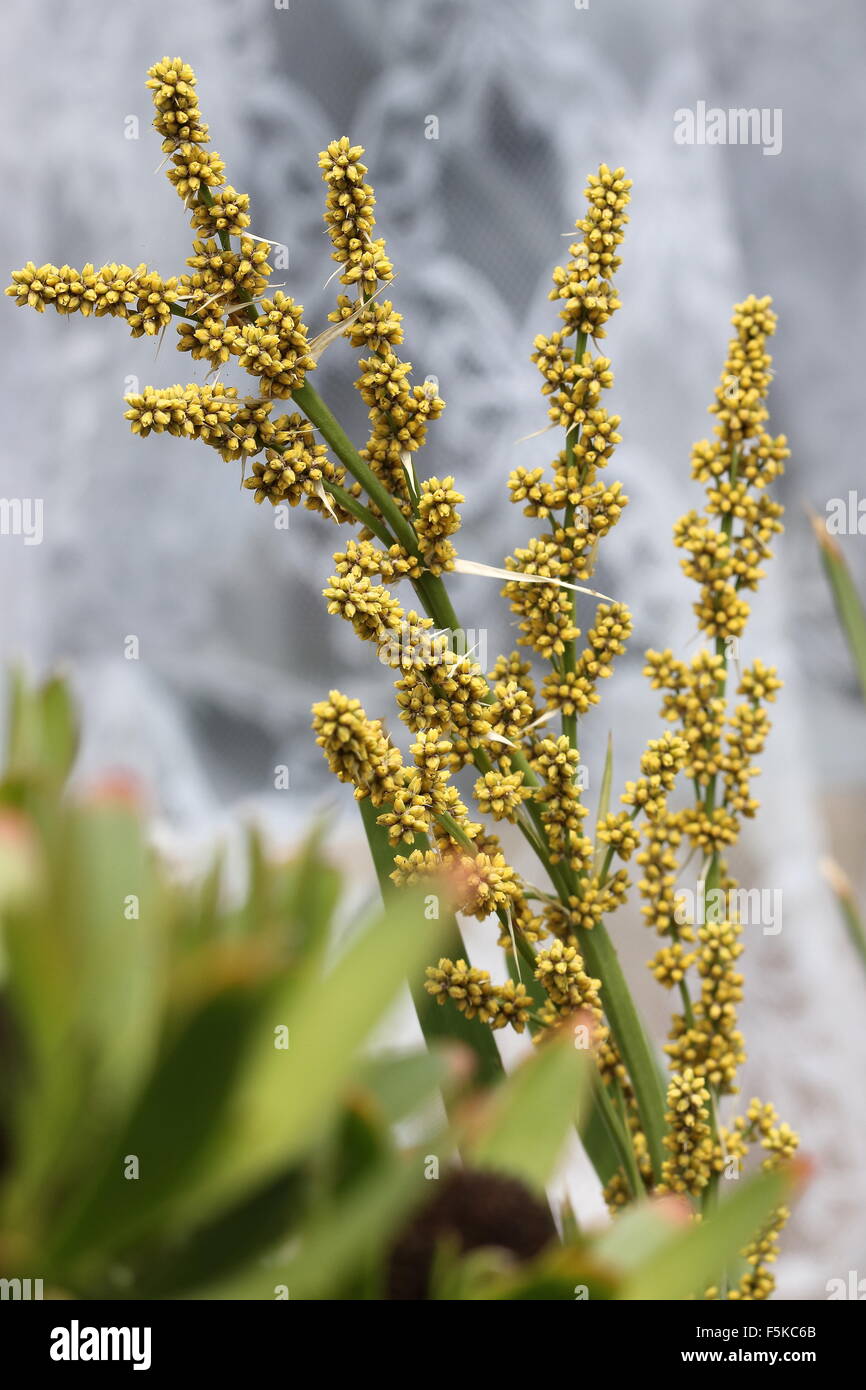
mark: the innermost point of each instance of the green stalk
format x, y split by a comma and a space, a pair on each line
727, 527
208, 199
615, 1123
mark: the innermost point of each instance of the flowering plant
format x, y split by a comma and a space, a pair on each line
645, 1134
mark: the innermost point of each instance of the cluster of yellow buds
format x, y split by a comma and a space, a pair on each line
472, 992
399, 412
725, 547
222, 317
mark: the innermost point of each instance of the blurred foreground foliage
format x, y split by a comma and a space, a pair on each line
851, 614
188, 1108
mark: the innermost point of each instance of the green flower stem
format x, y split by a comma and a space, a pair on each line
311, 403
619, 1112
569, 657
458, 834
714, 869
602, 962
714, 872
687, 1004
594, 1132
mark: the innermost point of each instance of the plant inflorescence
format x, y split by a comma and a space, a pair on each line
518, 726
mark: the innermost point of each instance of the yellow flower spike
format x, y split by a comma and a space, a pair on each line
562, 813
618, 830
377, 329
473, 994
399, 412
222, 277
349, 213
759, 682
196, 412
293, 474
410, 808
482, 882
513, 709
275, 348
584, 285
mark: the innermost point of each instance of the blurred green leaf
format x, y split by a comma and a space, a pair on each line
85, 986
217, 1250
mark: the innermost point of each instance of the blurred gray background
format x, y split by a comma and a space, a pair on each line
154, 539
